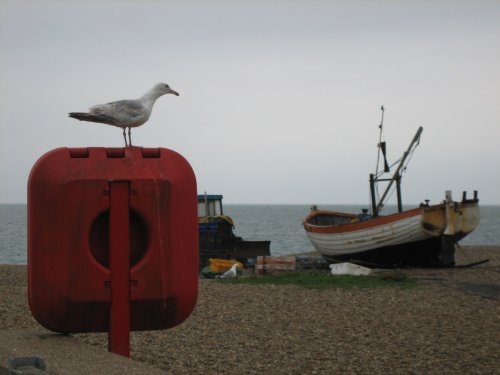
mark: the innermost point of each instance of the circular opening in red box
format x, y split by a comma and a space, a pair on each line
99, 239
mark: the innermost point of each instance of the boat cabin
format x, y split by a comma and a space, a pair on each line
209, 205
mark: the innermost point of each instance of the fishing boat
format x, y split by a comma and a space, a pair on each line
217, 238
422, 236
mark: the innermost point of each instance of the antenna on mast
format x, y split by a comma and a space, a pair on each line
381, 121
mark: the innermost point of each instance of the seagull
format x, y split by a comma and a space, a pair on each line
230, 273
125, 113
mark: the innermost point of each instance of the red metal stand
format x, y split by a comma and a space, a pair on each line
119, 250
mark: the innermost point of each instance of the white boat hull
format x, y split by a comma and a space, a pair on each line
356, 241
424, 234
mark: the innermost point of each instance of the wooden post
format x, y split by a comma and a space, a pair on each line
398, 192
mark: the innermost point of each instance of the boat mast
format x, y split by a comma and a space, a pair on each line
395, 178
381, 150
381, 145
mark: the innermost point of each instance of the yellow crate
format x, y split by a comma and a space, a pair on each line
222, 265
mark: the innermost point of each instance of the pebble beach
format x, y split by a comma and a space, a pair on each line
449, 323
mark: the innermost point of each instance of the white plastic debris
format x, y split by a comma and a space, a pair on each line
349, 269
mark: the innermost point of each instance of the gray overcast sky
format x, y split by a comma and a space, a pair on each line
279, 99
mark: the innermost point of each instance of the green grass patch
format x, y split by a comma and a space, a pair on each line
325, 280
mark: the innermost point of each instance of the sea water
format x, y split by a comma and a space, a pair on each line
280, 224
13, 234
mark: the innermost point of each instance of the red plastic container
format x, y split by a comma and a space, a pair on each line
68, 237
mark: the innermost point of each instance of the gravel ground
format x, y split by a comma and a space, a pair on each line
448, 324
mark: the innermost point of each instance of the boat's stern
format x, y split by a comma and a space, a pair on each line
450, 218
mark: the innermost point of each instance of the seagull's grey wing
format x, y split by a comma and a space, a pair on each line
123, 111
130, 108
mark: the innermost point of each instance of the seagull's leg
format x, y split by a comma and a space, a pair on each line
125, 137
129, 137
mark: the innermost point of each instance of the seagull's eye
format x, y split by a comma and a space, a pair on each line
167, 86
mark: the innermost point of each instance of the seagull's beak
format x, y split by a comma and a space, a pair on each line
174, 92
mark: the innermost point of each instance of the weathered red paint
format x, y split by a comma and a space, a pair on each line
69, 281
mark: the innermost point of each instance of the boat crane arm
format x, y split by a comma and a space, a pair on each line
397, 175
